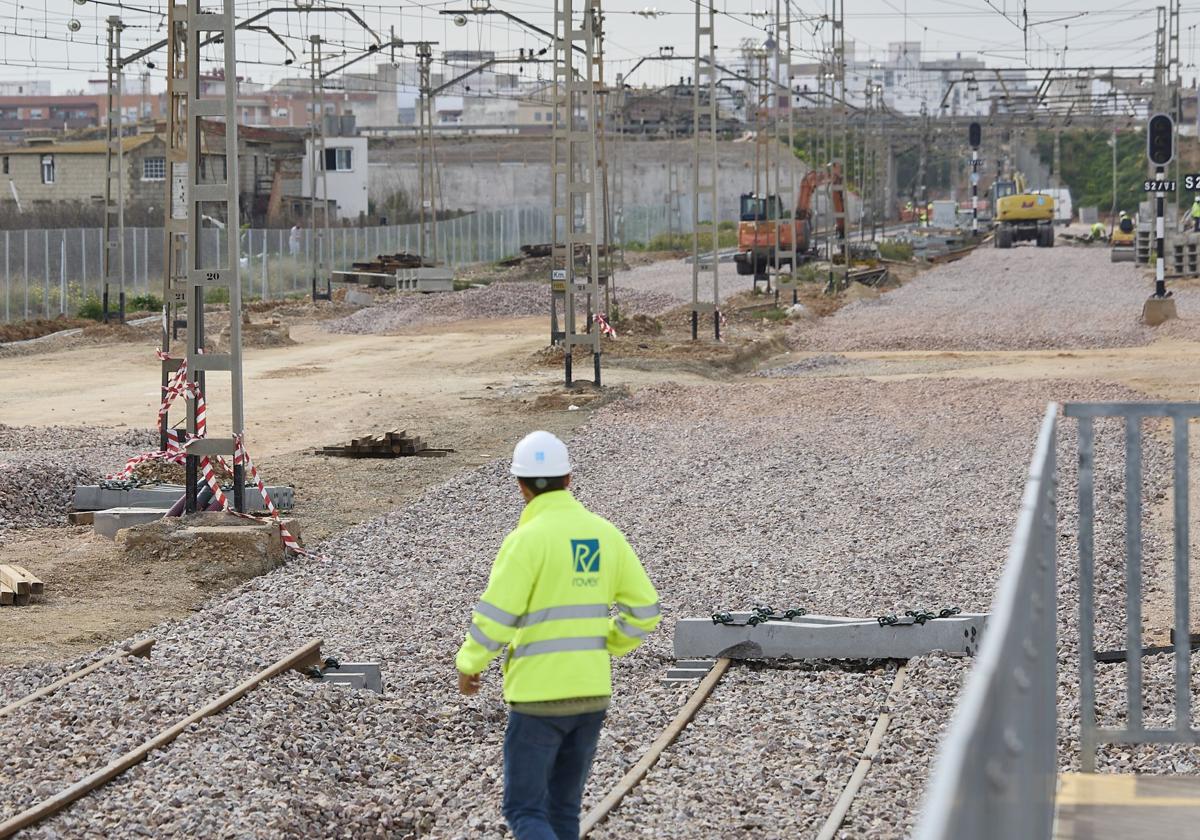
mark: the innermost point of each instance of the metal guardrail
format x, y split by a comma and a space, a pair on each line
1135, 731
996, 769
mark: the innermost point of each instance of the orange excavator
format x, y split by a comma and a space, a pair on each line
760, 222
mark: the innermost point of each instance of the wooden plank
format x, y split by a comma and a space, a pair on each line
303, 658
630, 780
15, 581
36, 587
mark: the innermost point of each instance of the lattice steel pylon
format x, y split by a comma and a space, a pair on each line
705, 232
175, 226
427, 180
210, 196
785, 182
320, 240
113, 249
617, 203
605, 275
575, 211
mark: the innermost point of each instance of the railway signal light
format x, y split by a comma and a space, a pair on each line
1160, 139
974, 135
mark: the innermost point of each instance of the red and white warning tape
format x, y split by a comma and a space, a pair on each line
605, 327
176, 453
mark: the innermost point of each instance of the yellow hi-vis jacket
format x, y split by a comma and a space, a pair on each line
548, 601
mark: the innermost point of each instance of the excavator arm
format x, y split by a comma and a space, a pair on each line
809, 185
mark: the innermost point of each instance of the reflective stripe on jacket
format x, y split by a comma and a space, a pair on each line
548, 601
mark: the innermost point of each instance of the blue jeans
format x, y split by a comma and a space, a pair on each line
546, 764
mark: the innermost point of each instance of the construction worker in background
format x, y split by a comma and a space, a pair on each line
1125, 223
1196, 213
546, 608
929, 214
1097, 231
923, 219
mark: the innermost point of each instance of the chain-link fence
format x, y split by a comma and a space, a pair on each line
45, 273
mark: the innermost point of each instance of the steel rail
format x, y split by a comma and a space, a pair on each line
842, 806
638, 772
304, 657
140, 649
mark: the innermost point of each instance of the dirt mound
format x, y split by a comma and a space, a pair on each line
38, 327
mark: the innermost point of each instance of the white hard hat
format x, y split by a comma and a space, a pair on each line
540, 455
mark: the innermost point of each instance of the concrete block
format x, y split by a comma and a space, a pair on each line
106, 523
356, 675
827, 637
163, 496
425, 280
216, 549
1156, 311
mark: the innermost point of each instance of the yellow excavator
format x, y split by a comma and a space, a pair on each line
1021, 216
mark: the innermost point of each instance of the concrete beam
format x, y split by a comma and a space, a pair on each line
163, 496
826, 637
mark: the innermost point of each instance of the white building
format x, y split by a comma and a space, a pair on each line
345, 174
909, 83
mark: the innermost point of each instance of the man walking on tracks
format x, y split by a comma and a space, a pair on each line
547, 606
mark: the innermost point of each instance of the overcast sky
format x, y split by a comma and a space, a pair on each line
36, 41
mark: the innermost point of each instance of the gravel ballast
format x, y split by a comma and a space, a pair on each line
40, 466
673, 278
842, 496
1018, 299
495, 301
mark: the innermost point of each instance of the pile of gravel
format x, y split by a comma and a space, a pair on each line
495, 301
673, 278
1019, 299
40, 466
847, 497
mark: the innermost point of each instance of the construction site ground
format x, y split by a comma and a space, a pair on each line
863, 454
474, 386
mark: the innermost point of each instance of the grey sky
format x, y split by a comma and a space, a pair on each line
35, 42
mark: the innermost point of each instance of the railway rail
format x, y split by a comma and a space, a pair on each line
638, 773
304, 659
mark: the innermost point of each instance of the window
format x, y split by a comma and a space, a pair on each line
6, 164
537, 116
549, 116
154, 169
47, 169
339, 160
35, 113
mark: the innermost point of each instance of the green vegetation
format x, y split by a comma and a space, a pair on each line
726, 238
890, 249
1087, 167
217, 294
144, 303
91, 308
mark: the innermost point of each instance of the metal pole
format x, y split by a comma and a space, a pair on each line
974, 192
1160, 201
62, 275
225, 272
704, 160
46, 270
